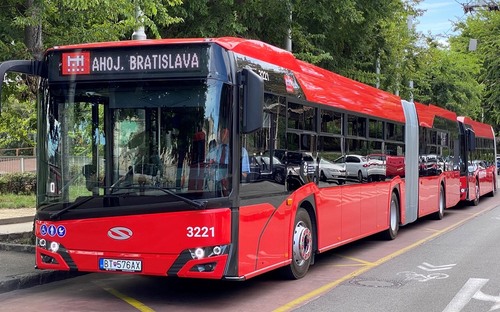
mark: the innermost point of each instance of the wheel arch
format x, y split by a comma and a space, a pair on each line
396, 189
309, 205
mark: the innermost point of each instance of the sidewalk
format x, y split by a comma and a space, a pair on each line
17, 269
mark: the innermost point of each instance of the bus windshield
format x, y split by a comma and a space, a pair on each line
140, 138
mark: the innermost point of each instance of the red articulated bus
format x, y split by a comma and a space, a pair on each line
225, 158
479, 160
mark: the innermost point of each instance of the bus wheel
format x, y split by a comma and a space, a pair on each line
393, 229
475, 202
302, 246
438, 215
494, 190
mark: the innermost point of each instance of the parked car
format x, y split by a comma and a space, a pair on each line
362, 168
278, 171
301, 167
330, 171
430, 165
262, 169
394, 165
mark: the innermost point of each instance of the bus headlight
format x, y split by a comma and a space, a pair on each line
42, 242
199, 253
54, 246
207, 252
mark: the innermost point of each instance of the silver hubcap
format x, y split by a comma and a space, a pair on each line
441, 204
394, 216
302, 244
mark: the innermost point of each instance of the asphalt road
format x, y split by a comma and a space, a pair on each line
456, 271
430, 266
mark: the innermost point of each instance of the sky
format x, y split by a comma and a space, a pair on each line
439, 16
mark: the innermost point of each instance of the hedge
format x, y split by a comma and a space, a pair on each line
18, 183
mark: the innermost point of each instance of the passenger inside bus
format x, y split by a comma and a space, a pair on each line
222, 178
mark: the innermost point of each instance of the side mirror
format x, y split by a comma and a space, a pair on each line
253, 100
19, 66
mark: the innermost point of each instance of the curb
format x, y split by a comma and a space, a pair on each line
35, 279
17, 247
17, 220
17, 242
27, 280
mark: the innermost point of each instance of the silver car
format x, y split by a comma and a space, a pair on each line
331, 171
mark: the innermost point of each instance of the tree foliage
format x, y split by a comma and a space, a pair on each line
345, 36
484, 26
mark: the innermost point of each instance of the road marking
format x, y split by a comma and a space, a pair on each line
135, 303
414, 276
465, 294
363, 262
430, 268
472, 290
318, 291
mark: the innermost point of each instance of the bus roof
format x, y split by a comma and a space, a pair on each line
322, 86
428, 112
481, 130
319, 85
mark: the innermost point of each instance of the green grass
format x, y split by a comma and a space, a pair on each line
17, 201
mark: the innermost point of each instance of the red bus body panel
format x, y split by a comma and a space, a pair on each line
343, 214
157, 240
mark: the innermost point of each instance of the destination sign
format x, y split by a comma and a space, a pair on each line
112, 61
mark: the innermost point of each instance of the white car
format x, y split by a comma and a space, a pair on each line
330, 171
362, 168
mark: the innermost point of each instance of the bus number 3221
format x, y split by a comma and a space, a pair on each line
198, 231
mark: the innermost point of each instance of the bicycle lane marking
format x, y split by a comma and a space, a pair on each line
323, 289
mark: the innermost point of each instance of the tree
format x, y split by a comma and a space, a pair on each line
448, 79
485, 27
28, 26
18, 126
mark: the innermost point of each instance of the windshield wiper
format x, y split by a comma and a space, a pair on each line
73, 205
191, 202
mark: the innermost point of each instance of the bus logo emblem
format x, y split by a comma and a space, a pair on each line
289, 83
76, 63
120, 233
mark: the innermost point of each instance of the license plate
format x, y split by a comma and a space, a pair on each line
120, 265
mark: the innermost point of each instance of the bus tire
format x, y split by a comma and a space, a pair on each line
494, 190
393, 229
438, 215
475, 201
302, 246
